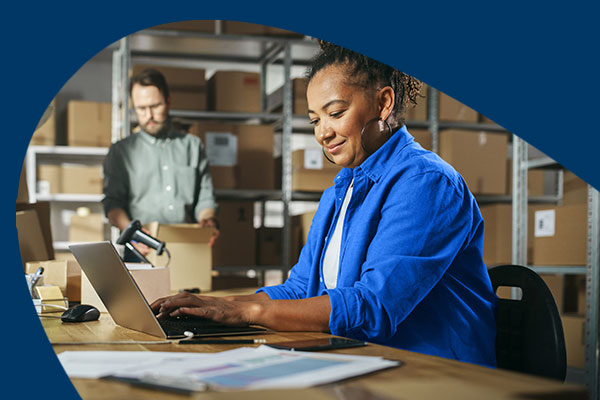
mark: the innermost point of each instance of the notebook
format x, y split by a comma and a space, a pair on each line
126, 304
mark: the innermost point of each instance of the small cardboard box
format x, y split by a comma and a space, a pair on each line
255, 157
575, 190
73, 275
237, 232
453, 110
45, 133
191, 257
154, 283
88, 228
311, 172
234, 91
247, 28
187, 86
81, 179
560, 234
299, 101
497, 244
23, 193
206, 26
49, 179
89, 123
479, 157
55, 272
31, 240
244, 157
574, 330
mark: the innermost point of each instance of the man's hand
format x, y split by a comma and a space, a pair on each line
211, 222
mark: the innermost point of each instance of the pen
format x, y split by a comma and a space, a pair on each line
223, 341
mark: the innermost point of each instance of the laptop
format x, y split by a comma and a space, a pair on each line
127, 305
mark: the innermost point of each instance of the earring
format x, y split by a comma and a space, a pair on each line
377, 145
325, 155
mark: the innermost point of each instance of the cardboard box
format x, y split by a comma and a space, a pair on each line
255, 157
535, 180
497, 244
23, 193
31, 240
575, 294
234, 91
299, 101
575, 190
453, 110
45, 132
574, 330
423, 137
187, 86
253, 166
89, 228
49, 179
224, 282
237, 232
560, 235
73, 275
55, 272
152, 282
89, 123
479, 157
418, 112
81, 179
206, 26
69, 178
485, 120
311, 172
191, 257
247, 28
42, 209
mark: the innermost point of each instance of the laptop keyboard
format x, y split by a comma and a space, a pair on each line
201, 327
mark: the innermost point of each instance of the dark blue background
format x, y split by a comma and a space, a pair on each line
532, 69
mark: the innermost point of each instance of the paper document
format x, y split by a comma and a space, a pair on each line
244, 368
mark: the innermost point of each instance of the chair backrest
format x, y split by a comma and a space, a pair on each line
529, 333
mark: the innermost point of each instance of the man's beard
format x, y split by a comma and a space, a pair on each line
158, 129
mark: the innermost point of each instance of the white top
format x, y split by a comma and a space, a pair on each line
331, 261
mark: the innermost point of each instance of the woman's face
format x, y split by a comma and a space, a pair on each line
339, 112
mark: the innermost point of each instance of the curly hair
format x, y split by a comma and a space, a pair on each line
370, 75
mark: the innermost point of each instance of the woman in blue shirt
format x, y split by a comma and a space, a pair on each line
394, 252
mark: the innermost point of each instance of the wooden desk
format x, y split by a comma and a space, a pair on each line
421, 377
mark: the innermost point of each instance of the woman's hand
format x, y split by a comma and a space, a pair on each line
223, 310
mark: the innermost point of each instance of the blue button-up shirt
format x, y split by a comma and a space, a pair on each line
411, 273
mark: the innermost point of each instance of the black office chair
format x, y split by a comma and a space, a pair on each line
529, 333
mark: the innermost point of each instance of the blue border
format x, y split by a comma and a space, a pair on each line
533, 69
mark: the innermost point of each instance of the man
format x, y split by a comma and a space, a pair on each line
157, 174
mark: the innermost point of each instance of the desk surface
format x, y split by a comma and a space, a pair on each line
421, 376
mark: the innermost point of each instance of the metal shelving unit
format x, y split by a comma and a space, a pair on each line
591, 270
156, 47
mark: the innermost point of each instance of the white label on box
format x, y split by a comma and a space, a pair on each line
545, 223
65, 216
313, 159
221, 149
43, 187
482, 139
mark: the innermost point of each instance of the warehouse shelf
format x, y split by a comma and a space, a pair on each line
70, 198
559, 270
544, 162
247, 194
69, 151
475, 126
544, 199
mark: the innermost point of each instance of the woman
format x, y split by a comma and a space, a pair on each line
394, 253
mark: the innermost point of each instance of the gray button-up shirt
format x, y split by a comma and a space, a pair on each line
164, 179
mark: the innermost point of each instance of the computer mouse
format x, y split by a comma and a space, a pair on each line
80, 313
